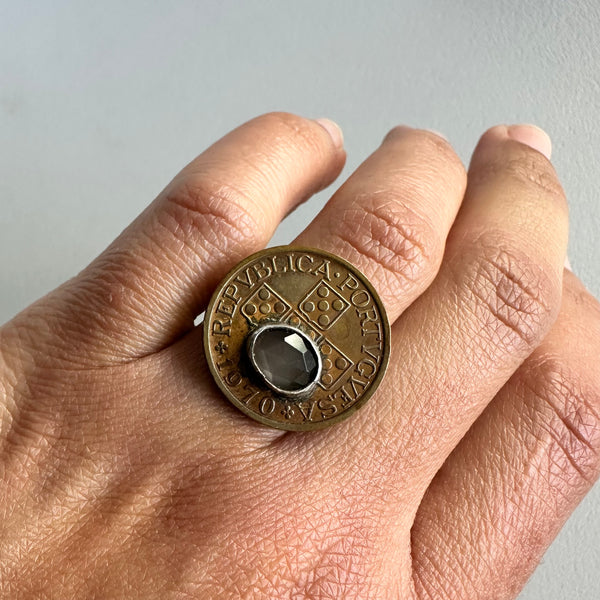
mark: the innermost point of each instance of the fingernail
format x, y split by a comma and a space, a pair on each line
568, 264
334, 131
532, 136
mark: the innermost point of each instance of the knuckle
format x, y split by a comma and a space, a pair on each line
427, 146
568, 405
533, 169
428, 143
287, 128
512, 296
221, 211
401, 245
524, 168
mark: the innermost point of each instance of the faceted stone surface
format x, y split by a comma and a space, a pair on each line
285, 358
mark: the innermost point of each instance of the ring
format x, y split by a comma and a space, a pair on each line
296, 338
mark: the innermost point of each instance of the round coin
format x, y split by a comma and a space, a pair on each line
285, 356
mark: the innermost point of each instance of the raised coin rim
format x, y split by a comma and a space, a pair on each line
309, 425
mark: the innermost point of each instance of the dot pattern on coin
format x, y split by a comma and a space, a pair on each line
324, 297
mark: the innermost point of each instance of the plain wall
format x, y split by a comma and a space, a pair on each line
101, 103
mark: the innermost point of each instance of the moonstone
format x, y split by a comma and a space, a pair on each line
285, 359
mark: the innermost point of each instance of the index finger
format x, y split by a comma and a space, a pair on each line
146, 288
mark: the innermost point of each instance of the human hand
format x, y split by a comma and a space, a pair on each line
126, 474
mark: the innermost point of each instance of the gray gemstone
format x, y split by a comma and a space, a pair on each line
286, 359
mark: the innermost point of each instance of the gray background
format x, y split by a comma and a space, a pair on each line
102, 102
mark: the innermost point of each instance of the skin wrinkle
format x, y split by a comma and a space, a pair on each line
399, 229
574, 421
576, 452
499, 279
237, 228
202, 196
372, 235
269, 171
523, 167
560, 385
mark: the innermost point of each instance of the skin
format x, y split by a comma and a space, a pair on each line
124, 473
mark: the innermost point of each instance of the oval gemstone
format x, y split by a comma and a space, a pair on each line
286, 359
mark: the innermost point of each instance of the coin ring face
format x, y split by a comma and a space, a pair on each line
288, 285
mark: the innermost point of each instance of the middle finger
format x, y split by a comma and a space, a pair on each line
391, 217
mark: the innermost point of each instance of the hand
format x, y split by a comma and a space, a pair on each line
126, 474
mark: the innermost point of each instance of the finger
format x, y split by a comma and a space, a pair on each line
509, 486
392, 216
146, 289
496, 295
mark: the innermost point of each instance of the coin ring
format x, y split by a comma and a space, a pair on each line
352, 333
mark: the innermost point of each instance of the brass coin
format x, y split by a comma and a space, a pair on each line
296, 338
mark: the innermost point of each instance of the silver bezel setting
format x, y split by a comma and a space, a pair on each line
301, 393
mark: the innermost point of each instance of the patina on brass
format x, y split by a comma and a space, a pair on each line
327, 299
